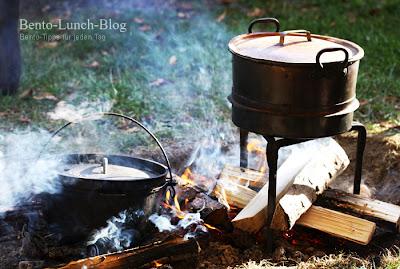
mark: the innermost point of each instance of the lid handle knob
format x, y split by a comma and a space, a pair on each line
285, 33
104, 164
265, 21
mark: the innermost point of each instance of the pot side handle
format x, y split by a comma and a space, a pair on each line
319, 54
265, 21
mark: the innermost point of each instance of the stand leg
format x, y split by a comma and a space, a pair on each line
243, 148
273, 147
361, 141
272, 159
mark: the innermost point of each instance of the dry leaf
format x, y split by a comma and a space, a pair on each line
256, 12
352, 17
55, 20
183, 15
46, 8
138, 20
363, 102
26, 93
158, 82
222, 16
145, 28
24, 119
186, 6
93, 64
172, 60
45, 96
48, 45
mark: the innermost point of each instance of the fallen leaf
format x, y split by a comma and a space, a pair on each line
24, 119
46, 8
55, 20
183, 15
222, 16
172, 60
48, 45
25, 93
158, 82
256, 12
363, 102
351, 17
45, 96
186, 6
374, 11
93, 64
145, 28
138, 20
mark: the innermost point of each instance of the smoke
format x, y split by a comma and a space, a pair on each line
23, 171
117, 235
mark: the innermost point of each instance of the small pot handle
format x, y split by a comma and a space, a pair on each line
319, 54
170, 181
283, 34
264, 20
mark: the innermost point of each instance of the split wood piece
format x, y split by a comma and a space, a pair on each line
235, 195
338, 224
324, 167
173, 250
253, 217
244, 176
383, 213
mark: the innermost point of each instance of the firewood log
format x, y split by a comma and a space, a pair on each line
308, 160
244, 176
312, 180
384, 214
137, 257
338, 224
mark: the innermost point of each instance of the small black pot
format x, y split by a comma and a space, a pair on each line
87, 203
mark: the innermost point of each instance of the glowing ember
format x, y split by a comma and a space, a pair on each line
157, 264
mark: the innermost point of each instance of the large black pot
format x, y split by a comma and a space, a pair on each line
293, 84
88, 199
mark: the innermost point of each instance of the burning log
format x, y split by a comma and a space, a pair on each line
385, 214
211, 211
310, 176
338, 224
170, 251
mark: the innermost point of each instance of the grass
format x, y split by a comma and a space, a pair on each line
133, 69
389, 260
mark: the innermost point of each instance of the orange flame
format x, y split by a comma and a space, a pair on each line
187, 177
157, 264
221, 196
255, 145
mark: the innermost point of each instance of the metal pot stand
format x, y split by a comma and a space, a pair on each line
272, 150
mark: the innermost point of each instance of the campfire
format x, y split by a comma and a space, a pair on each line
117, 211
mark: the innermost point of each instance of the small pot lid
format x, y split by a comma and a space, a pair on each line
113, 172
295, 46
100, 169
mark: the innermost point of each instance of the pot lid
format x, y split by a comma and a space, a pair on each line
295, 46
105, 171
